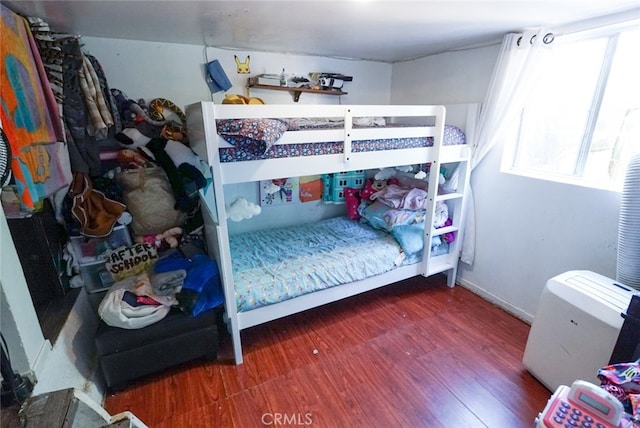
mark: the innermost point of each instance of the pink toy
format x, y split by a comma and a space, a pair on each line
372, 186
352, 199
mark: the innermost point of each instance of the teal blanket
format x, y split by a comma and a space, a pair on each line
275, 265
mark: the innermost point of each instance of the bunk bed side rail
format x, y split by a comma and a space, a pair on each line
239, 172
321, 297
338, 134
236, 111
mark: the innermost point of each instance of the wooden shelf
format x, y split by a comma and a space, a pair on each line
295, 91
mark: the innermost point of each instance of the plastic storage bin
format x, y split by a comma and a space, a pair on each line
89, 250
91, 253
95, 276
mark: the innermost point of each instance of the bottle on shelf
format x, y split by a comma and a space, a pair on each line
283, 78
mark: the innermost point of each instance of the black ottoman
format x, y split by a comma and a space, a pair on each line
126, 354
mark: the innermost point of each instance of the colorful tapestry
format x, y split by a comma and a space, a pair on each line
26, 114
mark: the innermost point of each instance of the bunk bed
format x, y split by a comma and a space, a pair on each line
295, 140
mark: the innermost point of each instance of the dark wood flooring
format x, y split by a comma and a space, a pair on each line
413, 354
54, 314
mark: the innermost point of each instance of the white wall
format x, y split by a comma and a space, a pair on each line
528, 230
449, 78
18, 321
150, 70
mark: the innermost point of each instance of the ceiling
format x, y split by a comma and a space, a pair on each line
387, 31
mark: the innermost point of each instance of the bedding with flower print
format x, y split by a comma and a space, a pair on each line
255, 135
252, 148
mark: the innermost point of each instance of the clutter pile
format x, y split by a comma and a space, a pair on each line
124, 186
149, 190
126, 191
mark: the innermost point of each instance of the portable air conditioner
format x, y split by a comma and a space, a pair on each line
575, 328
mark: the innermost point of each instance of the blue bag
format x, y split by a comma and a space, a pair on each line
201, 289
216, 77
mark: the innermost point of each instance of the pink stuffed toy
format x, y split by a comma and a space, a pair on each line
368, 189
372, 186
162, 241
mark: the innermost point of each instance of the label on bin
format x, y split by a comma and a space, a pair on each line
124, 262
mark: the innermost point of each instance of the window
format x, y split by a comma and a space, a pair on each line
582, 121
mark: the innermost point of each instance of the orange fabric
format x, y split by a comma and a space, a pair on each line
24, 112
20, 84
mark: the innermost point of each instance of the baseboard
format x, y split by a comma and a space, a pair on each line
38, 366
518, 313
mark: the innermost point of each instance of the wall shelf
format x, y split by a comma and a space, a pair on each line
294, 91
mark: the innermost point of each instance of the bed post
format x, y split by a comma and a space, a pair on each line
203, 141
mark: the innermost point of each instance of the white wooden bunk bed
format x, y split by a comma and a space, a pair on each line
419, 130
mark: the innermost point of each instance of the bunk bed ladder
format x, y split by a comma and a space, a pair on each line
434, 177
459, 197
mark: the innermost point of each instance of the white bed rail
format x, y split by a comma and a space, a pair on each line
207, 144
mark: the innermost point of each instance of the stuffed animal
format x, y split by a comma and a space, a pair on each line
367, 190
162, 241
241, 99
131, 159
372, 186
160, 118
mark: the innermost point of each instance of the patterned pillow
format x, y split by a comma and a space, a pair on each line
383, 217
257, 134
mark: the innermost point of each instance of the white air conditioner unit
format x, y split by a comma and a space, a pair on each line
575, 328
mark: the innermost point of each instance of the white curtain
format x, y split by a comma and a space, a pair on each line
521, 57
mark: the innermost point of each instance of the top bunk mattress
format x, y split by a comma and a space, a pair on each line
274, 265
257, 139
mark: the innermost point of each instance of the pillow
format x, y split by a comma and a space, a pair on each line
381, 216
409, 236
257, 134
352, 200
374, 214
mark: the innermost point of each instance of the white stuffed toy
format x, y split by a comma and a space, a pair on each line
241, 209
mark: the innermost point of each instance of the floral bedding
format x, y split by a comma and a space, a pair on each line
255, 139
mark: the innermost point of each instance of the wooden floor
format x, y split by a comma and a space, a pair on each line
414, 354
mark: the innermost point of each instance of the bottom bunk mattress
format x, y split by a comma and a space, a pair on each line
274, 265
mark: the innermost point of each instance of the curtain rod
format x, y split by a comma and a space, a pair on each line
617, 21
